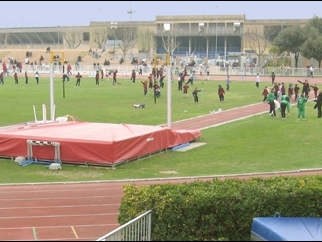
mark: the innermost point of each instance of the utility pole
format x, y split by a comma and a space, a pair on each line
169, 82
130, 12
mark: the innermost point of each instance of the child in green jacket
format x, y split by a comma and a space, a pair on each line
285, 104
301, 106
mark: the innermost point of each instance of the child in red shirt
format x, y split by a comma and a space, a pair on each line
264, 94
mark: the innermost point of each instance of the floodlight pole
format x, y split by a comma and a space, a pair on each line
216, 36
51, 88
131, 12
169, 86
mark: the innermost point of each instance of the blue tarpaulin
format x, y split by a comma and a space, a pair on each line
286, 229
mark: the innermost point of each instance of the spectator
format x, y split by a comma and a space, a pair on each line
121, 61
106, 63
48, 50
310, 71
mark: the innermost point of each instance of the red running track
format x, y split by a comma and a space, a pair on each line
73, 211
87, 211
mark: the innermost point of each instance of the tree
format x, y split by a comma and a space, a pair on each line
129, 37
290, 40
73, 39
145, 37
316, 23
169, 37
275, 51
258, 42
100, 35
312, 48
259, 39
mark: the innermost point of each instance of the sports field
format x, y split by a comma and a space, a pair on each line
256, 144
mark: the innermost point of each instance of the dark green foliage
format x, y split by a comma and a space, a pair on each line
220, 210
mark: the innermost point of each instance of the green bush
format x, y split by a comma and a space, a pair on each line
220, 210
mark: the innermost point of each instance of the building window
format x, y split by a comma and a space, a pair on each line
86, 36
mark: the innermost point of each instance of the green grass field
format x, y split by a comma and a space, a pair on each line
257, 144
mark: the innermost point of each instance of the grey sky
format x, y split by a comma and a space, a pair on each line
81, 13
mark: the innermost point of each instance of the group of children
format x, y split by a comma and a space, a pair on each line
279, 98
16, 78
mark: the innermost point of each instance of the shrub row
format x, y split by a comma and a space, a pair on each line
220, 209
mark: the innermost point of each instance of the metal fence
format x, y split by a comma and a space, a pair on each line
138, 229
125, 70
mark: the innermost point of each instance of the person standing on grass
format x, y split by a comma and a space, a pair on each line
185, 90
191, 77
133, 75
5, 69
156, 89
150, 78
283, 91
102, 74
180, 81
276, 90
257, 80
272, 77
290, 91
26, 77
1, 78
78, 79
97, 78
296, 92
195, 95
16, 78
315, 90
114, 77
37, 77
305, 88
285, 104
270, 100
145, 87
221, 93
161, 80
318, 103
265, 94
301, 106
227, 83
